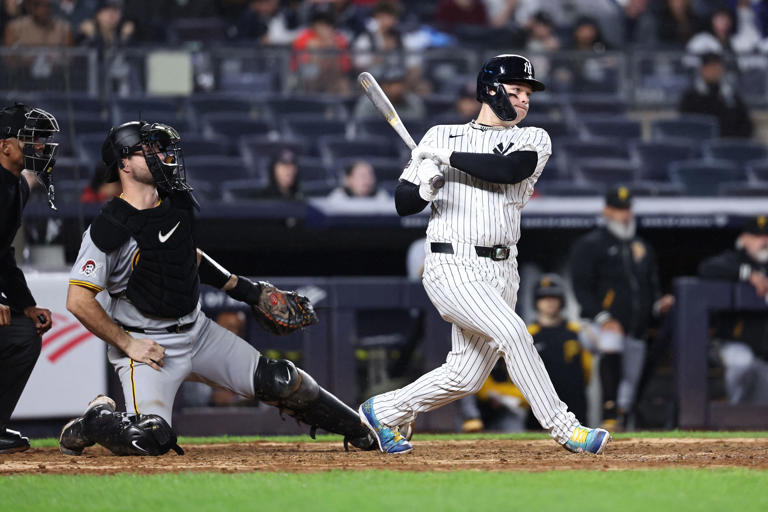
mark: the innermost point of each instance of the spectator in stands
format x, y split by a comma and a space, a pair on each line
77, 11
501, 13
741, 337
541, 34
639, 23
460, 12
38, 28
382, 46
268, 22
393, 83
721, 36
98, 190
283, 178
587, 36
108, 28
320, 54
616, 284
712, 95
467, 106
676, 23
359, 182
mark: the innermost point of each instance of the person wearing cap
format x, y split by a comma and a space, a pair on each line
711, 94
742, 337
283, 178
615, 281
22, 322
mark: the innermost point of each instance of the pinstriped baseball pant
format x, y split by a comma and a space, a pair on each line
478, 296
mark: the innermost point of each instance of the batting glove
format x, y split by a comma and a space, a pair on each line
427, 170
441, 156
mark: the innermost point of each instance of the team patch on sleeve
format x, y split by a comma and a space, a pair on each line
88, 267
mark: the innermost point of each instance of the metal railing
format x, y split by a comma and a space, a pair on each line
643, 78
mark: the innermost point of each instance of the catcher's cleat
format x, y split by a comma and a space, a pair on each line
12, 442
72, 440
588, 440
390, 439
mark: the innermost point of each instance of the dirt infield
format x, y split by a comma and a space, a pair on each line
480, 455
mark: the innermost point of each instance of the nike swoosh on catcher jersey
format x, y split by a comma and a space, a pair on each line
163, 238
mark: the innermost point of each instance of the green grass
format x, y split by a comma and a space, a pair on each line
677, 490
671, 434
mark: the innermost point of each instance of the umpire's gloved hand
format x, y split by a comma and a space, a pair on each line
440, 156
426, 171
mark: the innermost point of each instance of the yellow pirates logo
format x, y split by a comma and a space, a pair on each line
762, 221
638, 251
623, 193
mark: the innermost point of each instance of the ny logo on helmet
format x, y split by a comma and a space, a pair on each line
528, 68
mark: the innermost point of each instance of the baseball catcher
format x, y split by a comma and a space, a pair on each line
141, 249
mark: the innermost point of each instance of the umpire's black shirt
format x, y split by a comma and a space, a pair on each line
14, 193
615, 276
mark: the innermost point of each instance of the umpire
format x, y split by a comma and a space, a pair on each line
22, 146
616, 284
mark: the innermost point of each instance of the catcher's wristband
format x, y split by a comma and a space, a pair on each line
245, 291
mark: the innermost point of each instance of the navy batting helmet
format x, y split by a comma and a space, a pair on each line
499, 70
550, 285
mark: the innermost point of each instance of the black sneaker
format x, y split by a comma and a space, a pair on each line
12, 441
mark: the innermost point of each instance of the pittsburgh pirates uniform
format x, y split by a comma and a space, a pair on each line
202, 350
473, 225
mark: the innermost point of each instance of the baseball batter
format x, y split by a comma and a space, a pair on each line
490, 167
141, 250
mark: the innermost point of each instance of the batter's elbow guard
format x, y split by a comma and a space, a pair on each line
294, 391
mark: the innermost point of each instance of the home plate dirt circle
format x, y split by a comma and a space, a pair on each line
477, 455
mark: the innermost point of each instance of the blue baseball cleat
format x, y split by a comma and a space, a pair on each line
390, 439
588, 440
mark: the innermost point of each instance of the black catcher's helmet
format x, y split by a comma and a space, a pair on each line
550, 285
35, 129
499, 70
159, 143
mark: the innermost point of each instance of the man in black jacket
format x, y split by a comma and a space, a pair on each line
616, 284
24, 147
743, 336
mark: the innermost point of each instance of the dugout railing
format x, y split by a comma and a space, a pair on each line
696, 300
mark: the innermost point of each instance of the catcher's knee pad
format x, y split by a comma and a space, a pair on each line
294, 391
130, 434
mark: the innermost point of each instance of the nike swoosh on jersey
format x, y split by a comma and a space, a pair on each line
455, 135
163, 238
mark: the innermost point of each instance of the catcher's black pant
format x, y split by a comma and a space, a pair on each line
19, 349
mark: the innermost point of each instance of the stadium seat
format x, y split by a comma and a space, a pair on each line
314, 177
438, 105
261, 146
689, 126
318, 107
161, 110
71, 170
554, 127
743, 189
235, 126
242, 190
207, 29
59, 104
607, 171
199, 145
593, 148
89, 146
655, 156
703, 177
758, 169
386, 169
203, 105
569, 188
336, 147
586, 105
302, 126
217, 168
624, 129
739, 151
380, 128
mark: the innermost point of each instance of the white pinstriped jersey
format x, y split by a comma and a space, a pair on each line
470, 210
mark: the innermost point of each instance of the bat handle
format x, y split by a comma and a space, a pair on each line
437, 182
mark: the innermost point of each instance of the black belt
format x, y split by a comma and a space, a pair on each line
170, 329
496, 253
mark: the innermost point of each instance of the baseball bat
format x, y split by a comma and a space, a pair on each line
373, 90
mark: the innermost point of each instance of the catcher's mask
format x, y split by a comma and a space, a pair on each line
159, 143
35, 130
495, 73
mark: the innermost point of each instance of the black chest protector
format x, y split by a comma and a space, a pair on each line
164, 281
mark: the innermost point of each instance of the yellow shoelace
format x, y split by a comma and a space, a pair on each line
579, 435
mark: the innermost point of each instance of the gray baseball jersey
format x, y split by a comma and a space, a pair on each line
477, 294
205, 352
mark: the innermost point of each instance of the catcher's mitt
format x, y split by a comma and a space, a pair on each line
276, 311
